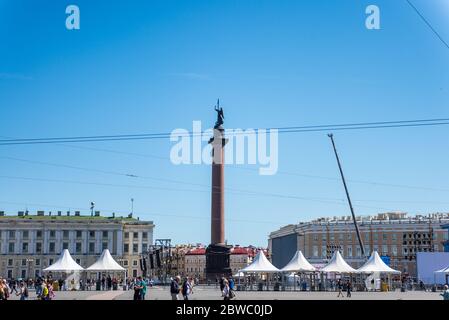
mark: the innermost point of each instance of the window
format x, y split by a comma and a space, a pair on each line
11, 247
367, 236
91, 234
105, 234
385, 237
394, 250
394, 237
376, 236
52, 234
125, 263
24, 262
65, 234
315, 238
331, 237
78, 261
78, 247
126, 235
341, 236
25, 234
358, 251
91, 247
349, 251
12, 234
144, 247
125, 248
38, 247
25, 247
65, 245
50, 262
134, 263
323, 251
37, 262
135, 248
145, 235
104, 245
315, 251
79, 234
10, 262
384, 249
134, 273
24, 274
135, 235
39, 234
51, 247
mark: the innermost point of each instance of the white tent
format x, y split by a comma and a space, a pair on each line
338, 265
65, 263
298, 263
444, 270
105, 263
239, 274
376, 264
260, 264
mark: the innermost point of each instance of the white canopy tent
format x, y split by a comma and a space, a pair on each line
105, 263
239, 275
444, 270
65, 263
376, 264
298, 264
338, 265
260, 264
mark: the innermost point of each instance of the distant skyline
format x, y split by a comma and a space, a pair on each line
154, 66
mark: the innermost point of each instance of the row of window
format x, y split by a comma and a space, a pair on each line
65, 234
78, 247
384, 250
375, 236
25, 274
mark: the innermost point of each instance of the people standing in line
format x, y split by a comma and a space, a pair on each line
340, 288
348, 289
445, 293
226, 292
174, 288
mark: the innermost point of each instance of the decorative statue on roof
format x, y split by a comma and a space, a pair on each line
220, 115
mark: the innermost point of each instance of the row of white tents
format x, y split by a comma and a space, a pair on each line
65, 263
299, 263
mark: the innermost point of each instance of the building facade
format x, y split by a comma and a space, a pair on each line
394, 235
30, 243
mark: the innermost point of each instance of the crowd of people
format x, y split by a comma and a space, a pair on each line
43, 288
185, 289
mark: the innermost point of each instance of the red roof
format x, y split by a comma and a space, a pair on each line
196, 251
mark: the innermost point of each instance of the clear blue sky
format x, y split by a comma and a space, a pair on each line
153, 66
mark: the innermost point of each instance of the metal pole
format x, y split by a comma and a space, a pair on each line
347, 196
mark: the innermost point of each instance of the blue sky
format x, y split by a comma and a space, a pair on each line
153, 66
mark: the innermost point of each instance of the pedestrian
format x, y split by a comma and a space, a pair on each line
340, 288
226, 292
348, 289
222, 285
445, 293
143, 290
186, 288
5, 290
174, 288
137, 289
23, 291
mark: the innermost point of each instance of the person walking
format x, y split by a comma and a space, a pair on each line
137, 289
340, 288
348, 289
222, 285
23, 291
143, 290
226, 292
186, 288
445, 293
174, 288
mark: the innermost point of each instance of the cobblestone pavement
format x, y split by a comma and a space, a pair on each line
210, 293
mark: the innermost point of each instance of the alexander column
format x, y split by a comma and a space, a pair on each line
218, 253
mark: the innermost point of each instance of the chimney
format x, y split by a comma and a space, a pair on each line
97, 213
40, 213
